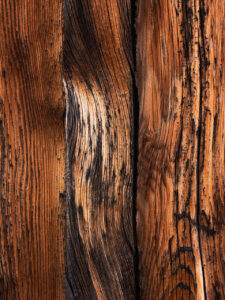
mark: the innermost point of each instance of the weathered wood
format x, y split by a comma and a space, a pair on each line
181, 213
32, 141
97, 62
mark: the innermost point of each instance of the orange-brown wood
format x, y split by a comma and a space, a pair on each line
32, 141
98, 79
181, 166
180, 201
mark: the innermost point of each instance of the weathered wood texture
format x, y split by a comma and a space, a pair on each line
181, 213
32, 139
99, 124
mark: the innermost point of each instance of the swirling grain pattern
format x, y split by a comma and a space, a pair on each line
97, 68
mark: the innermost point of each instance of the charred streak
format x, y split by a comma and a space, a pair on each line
173, 258
176, 194
170, 251
205, 228
187, 30
94, 173
187, 271
2, 140
3, 203
202, 68
215, 128
182, 286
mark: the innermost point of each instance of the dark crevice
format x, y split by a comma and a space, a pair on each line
135, 145
199, 173
202, 66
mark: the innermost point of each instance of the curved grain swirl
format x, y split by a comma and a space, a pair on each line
97, 62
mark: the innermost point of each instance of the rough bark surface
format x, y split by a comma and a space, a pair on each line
32, 139
99, 124
181, 213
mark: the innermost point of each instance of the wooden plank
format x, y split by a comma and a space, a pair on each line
32, 141
180, 219
212, 147
97, 62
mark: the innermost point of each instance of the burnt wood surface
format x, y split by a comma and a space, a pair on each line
32, 156
181, 168
99, 125
68, 129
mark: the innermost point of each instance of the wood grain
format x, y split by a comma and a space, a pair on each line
99, 123
180, 218
32, 141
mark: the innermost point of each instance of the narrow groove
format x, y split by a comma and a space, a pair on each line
199, 142
198, 177
135, 145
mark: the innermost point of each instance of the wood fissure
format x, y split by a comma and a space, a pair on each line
134, 145
202, 64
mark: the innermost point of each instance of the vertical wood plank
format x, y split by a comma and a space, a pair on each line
97, 69
212, 147
32, 142
180, 218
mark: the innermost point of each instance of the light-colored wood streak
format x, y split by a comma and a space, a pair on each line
32, 141
97, 62
180, 200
